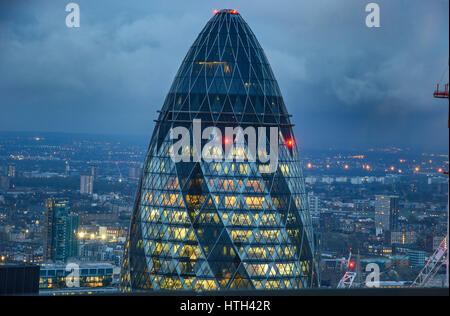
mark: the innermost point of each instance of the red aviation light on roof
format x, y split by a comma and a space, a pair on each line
216, 11
289, 142
234, 11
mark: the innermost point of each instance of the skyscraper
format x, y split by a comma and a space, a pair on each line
201, 225
87, 184
60, 239
386, 213
4, 183
313, 202
12, 171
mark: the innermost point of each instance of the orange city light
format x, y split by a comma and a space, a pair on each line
392, 168
440, 170
416, 169
309, 165
346, 167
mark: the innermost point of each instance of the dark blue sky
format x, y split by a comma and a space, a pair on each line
345, 84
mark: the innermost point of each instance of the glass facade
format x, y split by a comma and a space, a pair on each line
221, 225
60, 235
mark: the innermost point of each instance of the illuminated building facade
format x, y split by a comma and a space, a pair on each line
87, 184
60, 238
386, 213
221, 225
89, 275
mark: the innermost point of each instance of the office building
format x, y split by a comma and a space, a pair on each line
60, 236
386, 214
86, 184
211, 225
11, 171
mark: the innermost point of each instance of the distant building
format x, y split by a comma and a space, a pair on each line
437, 180
403, 238
91, 275
356, 180
60, 237
386, 213
4, 183
416, 258
11, 171
94, 172
341, 179
87, 184
362, 205
437, 242
391, 179
313, 202
310, 180
134, 173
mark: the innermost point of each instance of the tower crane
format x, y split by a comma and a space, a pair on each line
437, 259
118, 169
432, 266
347, 280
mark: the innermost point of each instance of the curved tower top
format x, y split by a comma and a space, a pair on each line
221, 225
226, 77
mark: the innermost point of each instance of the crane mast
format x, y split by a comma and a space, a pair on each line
432, 266
437, 259
347, 280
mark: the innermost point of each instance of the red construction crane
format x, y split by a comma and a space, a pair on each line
430, 268
441, 94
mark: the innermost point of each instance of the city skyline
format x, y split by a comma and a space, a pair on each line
179, 147
84, 90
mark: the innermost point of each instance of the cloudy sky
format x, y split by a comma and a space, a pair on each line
347, 85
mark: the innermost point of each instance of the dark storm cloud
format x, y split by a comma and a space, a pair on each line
346, 85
